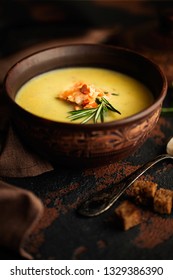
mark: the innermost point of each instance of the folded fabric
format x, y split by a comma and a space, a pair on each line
20, 210
17, 161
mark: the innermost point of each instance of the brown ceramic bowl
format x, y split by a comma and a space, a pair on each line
89, 144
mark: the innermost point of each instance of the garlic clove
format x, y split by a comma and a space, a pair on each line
169, 147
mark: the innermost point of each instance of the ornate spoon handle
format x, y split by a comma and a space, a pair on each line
103, 201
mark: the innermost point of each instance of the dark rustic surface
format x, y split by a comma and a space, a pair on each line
61, 233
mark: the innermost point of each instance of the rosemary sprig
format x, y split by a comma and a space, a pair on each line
167, 111
93, 113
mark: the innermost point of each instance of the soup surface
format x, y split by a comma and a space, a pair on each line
39, 95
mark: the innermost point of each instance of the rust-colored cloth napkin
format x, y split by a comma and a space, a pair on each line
16, 225
17, 161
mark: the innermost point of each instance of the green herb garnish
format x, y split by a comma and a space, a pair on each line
166, 111
93, 113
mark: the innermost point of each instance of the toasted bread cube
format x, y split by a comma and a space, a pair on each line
163, 201
128, 214
143, 191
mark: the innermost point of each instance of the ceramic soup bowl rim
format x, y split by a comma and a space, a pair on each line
137, 116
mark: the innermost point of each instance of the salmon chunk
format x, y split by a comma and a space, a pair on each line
83, 96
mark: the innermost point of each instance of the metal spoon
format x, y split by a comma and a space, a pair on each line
102, 201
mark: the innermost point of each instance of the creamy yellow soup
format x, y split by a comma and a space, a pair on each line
39, 95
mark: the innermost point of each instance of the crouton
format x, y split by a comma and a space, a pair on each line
128, 214
143, 192
163, 201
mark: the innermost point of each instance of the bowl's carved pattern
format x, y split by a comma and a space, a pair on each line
91, 143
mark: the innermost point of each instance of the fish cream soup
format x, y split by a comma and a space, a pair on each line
84, 95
